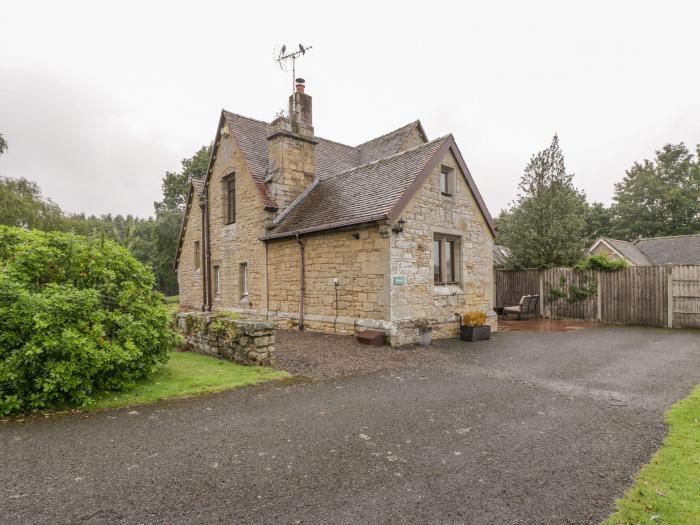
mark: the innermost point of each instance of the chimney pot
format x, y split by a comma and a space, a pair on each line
300, 85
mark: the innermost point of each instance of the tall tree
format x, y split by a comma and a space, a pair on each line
545, 225
169, 216
598, 222
3, 144
21, 204
661, 196
175, 184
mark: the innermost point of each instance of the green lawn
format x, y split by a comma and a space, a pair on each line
188, 374
667, 490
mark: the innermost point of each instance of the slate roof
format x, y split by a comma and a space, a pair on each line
680, 249
331, 157
387, 144
657, 251
359, 195
500, 255
629, 251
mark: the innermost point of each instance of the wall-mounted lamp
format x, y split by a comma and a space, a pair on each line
398, 227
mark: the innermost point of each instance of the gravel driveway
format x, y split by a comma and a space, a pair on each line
525, 428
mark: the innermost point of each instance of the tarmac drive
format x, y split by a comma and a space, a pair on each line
525, 428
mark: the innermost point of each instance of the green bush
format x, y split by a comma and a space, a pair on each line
77, 316
602, 262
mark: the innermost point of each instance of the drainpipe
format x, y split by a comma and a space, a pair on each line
301, 284
207, 253
267, 285
202, 259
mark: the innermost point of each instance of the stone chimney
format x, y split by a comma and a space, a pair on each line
292, 150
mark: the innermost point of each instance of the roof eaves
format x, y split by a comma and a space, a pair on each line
325, 227
181, 237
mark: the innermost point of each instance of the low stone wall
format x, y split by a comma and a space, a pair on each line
243, 341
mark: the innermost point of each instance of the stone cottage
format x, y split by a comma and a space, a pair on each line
390, 235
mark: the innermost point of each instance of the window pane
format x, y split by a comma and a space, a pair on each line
437, 262
443, 182
243, 279
449, 261
197, 255
217, 280
231, 201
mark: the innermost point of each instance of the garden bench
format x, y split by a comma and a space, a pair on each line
527, 305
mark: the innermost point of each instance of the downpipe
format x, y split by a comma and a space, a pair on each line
302, 285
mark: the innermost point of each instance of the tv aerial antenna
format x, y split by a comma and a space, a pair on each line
283, 58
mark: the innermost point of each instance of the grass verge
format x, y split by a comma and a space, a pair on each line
667, 489
187, 374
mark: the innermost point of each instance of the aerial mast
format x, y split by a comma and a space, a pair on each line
283, 59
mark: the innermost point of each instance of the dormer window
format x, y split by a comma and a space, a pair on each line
447, 181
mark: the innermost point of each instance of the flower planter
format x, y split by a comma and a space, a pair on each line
475, 333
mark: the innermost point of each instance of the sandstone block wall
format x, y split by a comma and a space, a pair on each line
188, 277
246, 342
430, 213
357, 258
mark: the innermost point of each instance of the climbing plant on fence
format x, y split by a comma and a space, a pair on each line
571, 292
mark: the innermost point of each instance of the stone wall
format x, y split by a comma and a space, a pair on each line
246, 342
427, 214
357, 258
236, 243
189, 277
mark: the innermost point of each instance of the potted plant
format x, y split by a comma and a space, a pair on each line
425, 332
474, 327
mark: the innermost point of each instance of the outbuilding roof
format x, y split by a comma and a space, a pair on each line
658, 251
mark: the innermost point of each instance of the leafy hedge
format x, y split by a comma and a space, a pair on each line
602, 262
77, 316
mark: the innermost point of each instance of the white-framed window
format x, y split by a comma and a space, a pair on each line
447, 181
217, 280
445, 259
243, 279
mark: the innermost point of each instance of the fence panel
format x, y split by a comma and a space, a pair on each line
636, 296
639, 295
563, 280
511, 285
686, 296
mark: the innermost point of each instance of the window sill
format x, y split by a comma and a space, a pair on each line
447, 289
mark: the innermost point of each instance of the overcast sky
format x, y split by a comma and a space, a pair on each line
99, 99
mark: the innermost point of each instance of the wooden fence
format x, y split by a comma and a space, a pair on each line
640, 295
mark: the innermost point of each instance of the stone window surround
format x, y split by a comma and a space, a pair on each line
228, 187
451, 182
244, 282
197, 256
216, 281
456, 288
